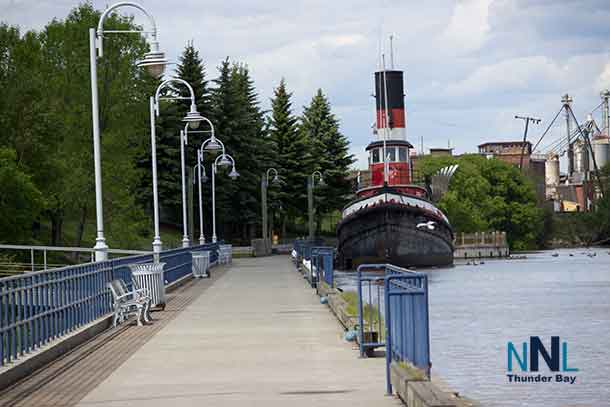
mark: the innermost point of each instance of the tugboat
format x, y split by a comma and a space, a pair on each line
392, 220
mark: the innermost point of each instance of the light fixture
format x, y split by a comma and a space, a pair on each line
233, 174
154, 61
225, 162
213, 145
193, 118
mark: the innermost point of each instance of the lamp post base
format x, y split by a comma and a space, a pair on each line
101, 249
186, 242
157, 248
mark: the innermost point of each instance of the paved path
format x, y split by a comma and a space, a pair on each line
65, 381
257, 337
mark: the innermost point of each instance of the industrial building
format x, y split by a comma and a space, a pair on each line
586, 148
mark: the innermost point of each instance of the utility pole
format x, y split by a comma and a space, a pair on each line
567, 102
605, 95
527, 120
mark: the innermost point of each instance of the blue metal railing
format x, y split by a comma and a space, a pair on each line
323, 260
178, 262
303, 247
39, 307
371, 331
407, 329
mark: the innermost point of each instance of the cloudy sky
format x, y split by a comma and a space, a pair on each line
471, 65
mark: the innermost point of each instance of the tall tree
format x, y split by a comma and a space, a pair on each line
249, 148
330, 153
224, 111
238, 120
20, 201
46, 119
192, 69
292, 155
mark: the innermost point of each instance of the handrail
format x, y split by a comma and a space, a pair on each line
405, 333
68, 249
42, 306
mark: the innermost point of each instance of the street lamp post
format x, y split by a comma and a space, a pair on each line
201, 178
222, 160
154, 61
183, 142
264, 186
310, 185
192, 118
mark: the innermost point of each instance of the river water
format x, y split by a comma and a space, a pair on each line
475, 310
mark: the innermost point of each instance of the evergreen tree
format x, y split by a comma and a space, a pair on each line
330, 152
169, 179
225, 110
192, 69
292, 156
239, 123
250, 150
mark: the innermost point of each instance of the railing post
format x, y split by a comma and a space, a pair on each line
388, 339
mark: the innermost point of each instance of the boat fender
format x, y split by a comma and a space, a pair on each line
350, 336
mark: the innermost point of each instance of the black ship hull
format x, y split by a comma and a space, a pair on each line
390, 232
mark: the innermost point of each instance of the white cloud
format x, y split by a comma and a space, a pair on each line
468, 27
470, 64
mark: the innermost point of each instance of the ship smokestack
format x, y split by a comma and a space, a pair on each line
394, 85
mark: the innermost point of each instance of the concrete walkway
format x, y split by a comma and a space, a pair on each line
257, 337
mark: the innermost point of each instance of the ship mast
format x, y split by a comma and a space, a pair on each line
387, 122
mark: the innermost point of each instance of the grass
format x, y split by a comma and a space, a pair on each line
370, 312
413, 372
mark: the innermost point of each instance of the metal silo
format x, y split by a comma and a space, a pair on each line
581, 157
551, 170
601, 149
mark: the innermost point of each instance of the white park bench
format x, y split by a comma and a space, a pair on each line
127, 303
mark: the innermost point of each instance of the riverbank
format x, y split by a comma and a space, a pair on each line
410, 384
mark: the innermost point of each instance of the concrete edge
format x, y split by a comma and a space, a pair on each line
416, 390
27, 365
413, 388
338, 306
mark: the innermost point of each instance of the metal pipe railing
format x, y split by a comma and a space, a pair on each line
405, 332
41, 306
45, 249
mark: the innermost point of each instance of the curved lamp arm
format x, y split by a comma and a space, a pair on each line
205, 119
165, 83
215, 139
226, 156
106, 13
274, 171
